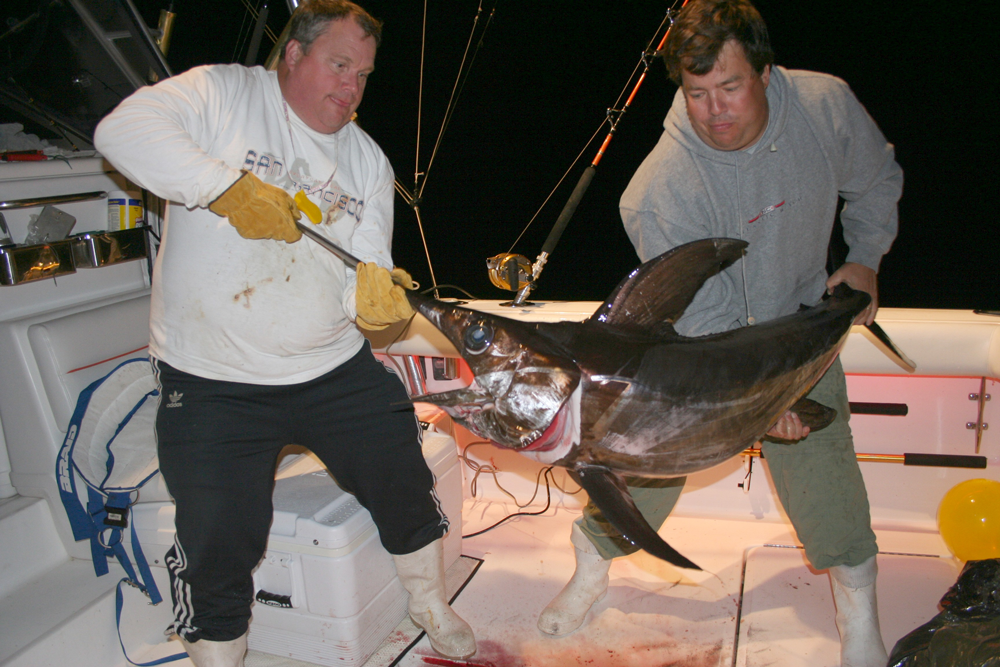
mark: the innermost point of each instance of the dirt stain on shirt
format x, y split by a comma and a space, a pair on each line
245, 294
249, 292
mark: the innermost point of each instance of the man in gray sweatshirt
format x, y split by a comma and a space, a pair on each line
760, 153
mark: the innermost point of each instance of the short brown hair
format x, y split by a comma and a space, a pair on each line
703, 28
312, 17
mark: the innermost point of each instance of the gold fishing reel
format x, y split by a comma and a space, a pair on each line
510, 272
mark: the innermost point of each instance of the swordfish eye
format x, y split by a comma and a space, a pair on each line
477, 337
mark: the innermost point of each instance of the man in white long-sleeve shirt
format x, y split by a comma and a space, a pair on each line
253, 332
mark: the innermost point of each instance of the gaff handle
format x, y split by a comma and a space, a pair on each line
944, 460
348, 258
930, 460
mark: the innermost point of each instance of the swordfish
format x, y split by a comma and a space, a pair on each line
622, 393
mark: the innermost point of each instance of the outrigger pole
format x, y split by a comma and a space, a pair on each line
505, 270
414, 199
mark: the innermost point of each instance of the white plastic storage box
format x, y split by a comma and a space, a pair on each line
327, 591
324, 558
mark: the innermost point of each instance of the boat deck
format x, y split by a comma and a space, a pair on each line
756, 603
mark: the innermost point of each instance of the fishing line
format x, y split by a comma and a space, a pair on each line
244, 34
420, 112
454, 287
414, 199
556, 187
613, 116
456, 91
241, 38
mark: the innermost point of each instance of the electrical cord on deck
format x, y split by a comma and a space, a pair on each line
544, 472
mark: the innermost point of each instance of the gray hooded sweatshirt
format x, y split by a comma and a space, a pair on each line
780, 196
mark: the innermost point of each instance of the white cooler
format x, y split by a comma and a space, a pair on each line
327, 591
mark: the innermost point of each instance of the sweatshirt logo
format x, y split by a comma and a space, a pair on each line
332, 199
767, 210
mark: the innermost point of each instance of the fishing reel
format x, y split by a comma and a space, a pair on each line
510, 272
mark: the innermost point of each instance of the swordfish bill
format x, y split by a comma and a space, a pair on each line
622, 394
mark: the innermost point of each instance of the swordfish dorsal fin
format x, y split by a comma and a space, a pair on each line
654, 296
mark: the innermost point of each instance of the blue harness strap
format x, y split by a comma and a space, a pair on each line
108, 510
119, 603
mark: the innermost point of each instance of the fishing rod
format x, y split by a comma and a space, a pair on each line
515, 272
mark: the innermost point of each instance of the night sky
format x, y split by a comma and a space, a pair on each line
541, 83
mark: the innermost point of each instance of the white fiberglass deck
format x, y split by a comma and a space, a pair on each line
757, 603
655, 614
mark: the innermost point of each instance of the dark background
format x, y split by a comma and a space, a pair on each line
544, 76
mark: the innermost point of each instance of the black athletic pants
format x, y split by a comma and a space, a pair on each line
218, 444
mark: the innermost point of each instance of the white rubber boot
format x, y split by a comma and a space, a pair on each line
204, 653
588, 585
857, 615
422, 574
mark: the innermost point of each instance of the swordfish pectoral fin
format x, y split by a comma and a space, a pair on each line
609, 492
814, 415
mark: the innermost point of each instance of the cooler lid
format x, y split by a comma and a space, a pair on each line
310, 509
437, 448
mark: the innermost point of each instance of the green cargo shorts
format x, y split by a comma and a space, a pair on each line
818, 481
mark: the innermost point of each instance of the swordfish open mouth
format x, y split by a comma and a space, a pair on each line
557, 434
476, 409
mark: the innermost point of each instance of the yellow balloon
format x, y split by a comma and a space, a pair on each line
969, 519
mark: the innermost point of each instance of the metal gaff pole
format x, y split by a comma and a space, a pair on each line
581, 186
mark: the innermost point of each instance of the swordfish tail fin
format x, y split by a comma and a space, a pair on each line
609, 492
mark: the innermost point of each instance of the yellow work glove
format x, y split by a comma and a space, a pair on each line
380, 301
258, 210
